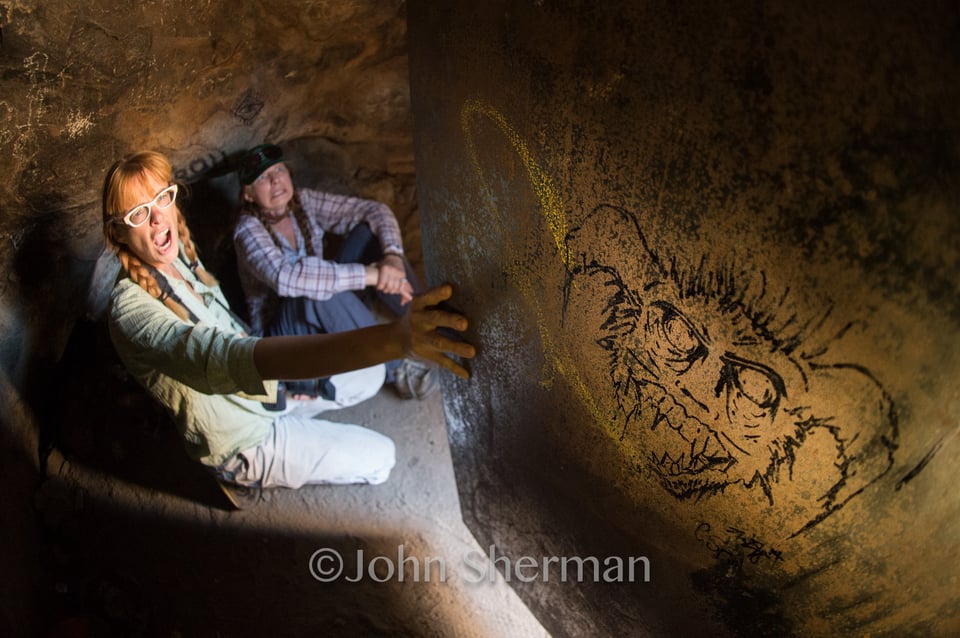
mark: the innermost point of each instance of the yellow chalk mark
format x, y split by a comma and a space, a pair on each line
553, 211
550, 201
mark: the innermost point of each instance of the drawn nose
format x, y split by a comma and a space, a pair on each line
700, 387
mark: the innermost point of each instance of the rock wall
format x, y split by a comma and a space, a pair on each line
711, 255
84, 83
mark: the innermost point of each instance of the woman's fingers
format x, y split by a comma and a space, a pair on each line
393, 281
400, 287
433, 296
433, 318
431, 344
443, 357
406, 293
427, 337
453, 346
454, 367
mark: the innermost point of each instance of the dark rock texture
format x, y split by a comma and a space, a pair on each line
712, 257
83, 83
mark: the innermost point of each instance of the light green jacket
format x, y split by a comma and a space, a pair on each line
202, 371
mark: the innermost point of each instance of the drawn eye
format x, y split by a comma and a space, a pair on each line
680, 335
753, 391
249, 107
671, 340
756, 386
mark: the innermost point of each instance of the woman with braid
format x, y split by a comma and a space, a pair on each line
291, 289
174, 331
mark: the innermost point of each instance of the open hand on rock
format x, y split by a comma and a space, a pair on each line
421, 328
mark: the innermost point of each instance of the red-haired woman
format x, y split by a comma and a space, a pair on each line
173, 329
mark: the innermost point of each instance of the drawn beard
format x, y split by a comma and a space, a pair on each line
713, 388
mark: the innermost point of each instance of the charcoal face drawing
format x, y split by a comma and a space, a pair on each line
718, 383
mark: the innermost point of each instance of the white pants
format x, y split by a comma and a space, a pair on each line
301, 450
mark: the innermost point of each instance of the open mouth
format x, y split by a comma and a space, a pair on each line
682, 447
163, 240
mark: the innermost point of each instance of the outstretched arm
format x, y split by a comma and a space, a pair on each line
415, 334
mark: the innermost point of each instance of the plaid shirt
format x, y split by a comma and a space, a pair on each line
267, 274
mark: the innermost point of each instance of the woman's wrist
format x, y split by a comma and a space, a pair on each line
393, 259
371, 274
393, 249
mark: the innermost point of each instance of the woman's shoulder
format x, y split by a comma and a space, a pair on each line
130, 301
125, 288
313, 196
245, 218
247, 223
309, 191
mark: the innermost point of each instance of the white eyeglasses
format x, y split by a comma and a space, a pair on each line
140, 213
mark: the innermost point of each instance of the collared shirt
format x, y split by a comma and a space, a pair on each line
267, 274
202, 372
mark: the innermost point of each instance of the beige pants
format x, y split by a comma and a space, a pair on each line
301, 450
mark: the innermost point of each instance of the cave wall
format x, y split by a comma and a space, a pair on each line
84, 83
666, 223
711, 258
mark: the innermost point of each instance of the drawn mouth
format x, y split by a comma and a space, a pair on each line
683, 446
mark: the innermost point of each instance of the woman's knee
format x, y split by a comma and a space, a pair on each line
383, 456
358, 385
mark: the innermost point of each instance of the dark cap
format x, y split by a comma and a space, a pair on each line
258, 159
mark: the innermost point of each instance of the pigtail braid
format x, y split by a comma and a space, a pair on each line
142, 275
300, 216
253, 209
191, 251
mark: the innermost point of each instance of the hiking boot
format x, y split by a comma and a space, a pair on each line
415, 380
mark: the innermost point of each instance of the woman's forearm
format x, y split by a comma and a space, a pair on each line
323, 355
419, 333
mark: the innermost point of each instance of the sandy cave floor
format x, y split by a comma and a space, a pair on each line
142, 543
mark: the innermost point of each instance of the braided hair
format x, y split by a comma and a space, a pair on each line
116, 193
